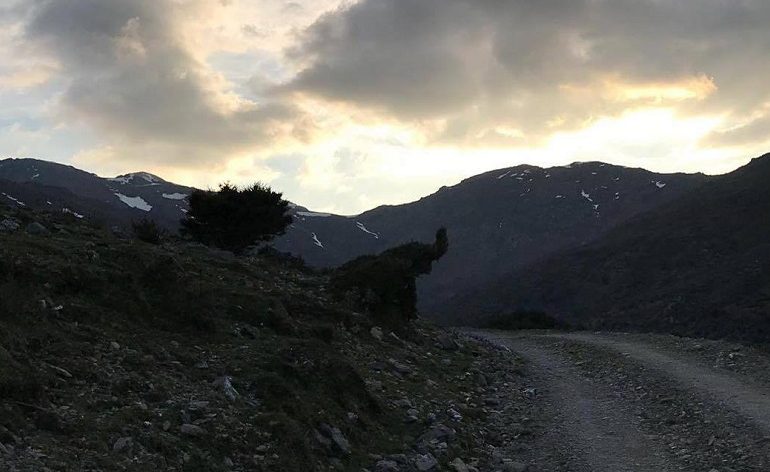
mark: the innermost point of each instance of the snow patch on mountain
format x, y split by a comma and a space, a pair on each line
15, 200
129, 178
313, 214
316, 241
175, 196
73, 213
365, 230
134, 202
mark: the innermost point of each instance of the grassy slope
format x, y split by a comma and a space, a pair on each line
102, 339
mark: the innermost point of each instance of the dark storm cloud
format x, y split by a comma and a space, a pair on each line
533, 63
130, 74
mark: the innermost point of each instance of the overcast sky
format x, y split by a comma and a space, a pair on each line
345, 105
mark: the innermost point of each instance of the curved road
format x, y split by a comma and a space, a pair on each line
614, 404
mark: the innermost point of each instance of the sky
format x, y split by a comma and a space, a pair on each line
344, 105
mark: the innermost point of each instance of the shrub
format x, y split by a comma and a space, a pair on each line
233, 218
522, 320
148, 231
385, 285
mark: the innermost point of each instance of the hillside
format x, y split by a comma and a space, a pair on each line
499, 221
699, 266
113, 201
120, 355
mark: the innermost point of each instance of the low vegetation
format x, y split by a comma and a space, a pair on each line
522, 320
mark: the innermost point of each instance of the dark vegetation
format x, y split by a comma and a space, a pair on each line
522, 320
147, 230
235, 218
385, 285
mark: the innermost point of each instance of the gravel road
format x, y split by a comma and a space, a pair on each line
613, 402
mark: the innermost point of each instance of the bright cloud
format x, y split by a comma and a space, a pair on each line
344, 105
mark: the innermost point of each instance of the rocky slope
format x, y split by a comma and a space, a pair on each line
119, 355
698, 266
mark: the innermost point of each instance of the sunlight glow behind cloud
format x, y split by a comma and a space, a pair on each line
347, 105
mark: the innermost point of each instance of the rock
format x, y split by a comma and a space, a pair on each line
514, 466
386, 466
192, 430
438, 432
425, 462
378, 366
121, 444
376, 333
447, 343
8, 226
197, 405
399, 367
492, 401
225, 383
36, 229
403, 403
114, 345
458, 465
339, 442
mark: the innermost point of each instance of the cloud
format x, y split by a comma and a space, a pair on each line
502, 73
131, 74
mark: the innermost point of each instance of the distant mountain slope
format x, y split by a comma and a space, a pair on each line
497, 221
699, 266
117, 201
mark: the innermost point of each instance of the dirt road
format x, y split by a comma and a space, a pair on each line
619, 403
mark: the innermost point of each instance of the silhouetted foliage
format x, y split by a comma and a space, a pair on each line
148, 231
233, 218
385, 285
522, 320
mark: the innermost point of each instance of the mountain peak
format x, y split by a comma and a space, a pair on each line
142, 178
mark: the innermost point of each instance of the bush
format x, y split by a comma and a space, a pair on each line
522, 320
234, 219
385, 285
148, 231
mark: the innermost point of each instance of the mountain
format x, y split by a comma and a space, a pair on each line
698, 266
497, 221
117, 201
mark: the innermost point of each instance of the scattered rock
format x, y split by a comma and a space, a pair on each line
339, 443
399, 368
192, 430
458, 465
225, 383
121, 444
36, 229
376, 333
447, 343
438, 432
425, 462
8, 226
514, 466
386, 466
